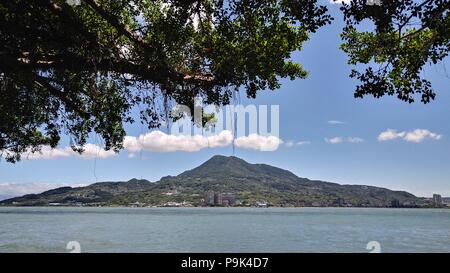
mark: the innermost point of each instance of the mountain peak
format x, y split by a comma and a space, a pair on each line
219, 164
223, 158
221, 161
222, 167
231, 176
137, 181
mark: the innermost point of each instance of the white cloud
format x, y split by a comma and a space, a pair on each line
90, 151
334, 140
336, 122
132, 144
390, 134
338, 140
258, 142
290, 144
19, 189
355, 139
158, 141
419, 135
48, 153
415, 136
93, 151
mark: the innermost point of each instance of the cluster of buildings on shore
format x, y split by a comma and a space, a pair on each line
439, 202
166, 204
434, 202
218, 199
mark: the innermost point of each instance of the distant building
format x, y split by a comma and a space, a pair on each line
340, 202
210, 198
446, 200
136, 205
437, 200
229, 200
408, 204
218, 199
262, 204
214, 198
395, 203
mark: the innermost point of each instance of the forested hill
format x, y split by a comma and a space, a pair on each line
248, 184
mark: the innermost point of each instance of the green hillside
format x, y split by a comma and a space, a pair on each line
230, 176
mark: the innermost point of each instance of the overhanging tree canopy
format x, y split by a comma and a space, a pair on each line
77, 69
407, 35
80, 69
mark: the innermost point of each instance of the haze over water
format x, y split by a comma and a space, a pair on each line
224, 229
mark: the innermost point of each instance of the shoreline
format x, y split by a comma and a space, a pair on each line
234, 207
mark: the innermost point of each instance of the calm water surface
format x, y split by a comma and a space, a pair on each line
224, 229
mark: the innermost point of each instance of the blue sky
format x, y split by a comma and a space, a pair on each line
306, 107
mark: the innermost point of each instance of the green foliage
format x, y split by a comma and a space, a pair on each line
249, 183
76, 70
81, 69
407, 36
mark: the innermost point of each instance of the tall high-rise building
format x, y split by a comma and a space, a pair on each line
210, 198
395, 203
218, 199
437, 200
